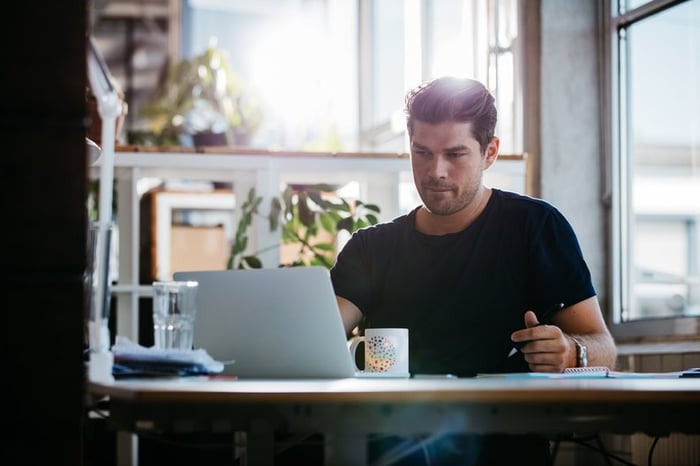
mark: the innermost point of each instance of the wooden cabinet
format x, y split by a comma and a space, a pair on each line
192, 242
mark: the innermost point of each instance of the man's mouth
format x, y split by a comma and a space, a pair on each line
438, 189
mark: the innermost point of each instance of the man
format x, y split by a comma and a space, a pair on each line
473, 270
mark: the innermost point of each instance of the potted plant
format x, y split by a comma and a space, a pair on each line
202, 98
309, 220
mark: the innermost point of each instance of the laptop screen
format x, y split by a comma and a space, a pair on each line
274, 323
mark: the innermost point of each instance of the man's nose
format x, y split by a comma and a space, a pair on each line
439, 167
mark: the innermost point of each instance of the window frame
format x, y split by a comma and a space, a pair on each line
618, 188
496, 43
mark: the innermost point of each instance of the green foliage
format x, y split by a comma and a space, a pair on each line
302, 215
237, 260
202, 95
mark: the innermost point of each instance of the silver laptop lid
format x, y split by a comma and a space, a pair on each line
275, 323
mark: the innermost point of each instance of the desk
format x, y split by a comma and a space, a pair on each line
406, 406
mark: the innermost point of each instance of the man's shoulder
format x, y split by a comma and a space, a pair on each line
516, 201
519, 209
399, 222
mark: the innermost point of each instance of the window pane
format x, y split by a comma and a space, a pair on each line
450, 45
663, 115
299, 58
632, 4
387, 70
503, 75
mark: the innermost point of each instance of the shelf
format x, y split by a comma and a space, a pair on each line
384, 179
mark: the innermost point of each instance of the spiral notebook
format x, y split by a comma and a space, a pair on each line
600, 372
568, 373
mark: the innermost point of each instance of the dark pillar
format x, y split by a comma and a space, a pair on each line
43, 184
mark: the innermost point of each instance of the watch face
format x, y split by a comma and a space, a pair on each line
581, 354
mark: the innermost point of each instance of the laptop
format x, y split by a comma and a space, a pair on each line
274, 323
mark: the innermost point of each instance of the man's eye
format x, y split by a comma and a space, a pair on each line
420, 153
455, 154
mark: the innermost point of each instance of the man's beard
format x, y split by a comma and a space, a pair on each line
445, 207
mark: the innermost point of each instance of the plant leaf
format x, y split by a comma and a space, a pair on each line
315, 195
306, 215
373, 207
343, 206
252, 262
359, 223
251, 195
328, 222
345, 224
275, 213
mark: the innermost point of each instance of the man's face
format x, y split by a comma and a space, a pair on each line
448, 165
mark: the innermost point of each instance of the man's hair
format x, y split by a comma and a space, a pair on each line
453, 99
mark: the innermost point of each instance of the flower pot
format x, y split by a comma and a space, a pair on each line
207, 138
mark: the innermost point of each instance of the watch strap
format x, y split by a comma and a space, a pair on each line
581, 353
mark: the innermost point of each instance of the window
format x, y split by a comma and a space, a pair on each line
297, 56
405, 42
656, 167
337, 70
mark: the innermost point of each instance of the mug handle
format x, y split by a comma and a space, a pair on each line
354, 342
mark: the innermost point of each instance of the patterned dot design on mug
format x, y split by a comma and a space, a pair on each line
382, 354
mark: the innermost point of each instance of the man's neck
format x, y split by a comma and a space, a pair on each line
437, 225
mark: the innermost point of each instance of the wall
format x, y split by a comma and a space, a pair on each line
570, 131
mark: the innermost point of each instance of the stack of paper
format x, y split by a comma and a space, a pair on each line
134, 360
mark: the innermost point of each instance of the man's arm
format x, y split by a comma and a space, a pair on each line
349, 313
551, 348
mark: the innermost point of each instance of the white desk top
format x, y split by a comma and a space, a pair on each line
467, 390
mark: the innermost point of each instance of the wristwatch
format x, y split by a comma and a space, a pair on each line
581, 353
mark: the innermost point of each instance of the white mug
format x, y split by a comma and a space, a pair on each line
386, 351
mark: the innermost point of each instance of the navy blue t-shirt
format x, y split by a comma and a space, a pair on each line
461, 295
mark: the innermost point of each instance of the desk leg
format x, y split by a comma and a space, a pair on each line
258, 445
239, 447
127, 449
345, 449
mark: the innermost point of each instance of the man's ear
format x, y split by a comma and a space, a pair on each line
491, 153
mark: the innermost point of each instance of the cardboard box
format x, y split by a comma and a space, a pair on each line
198, 248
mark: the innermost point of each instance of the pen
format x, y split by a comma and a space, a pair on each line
543, 320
